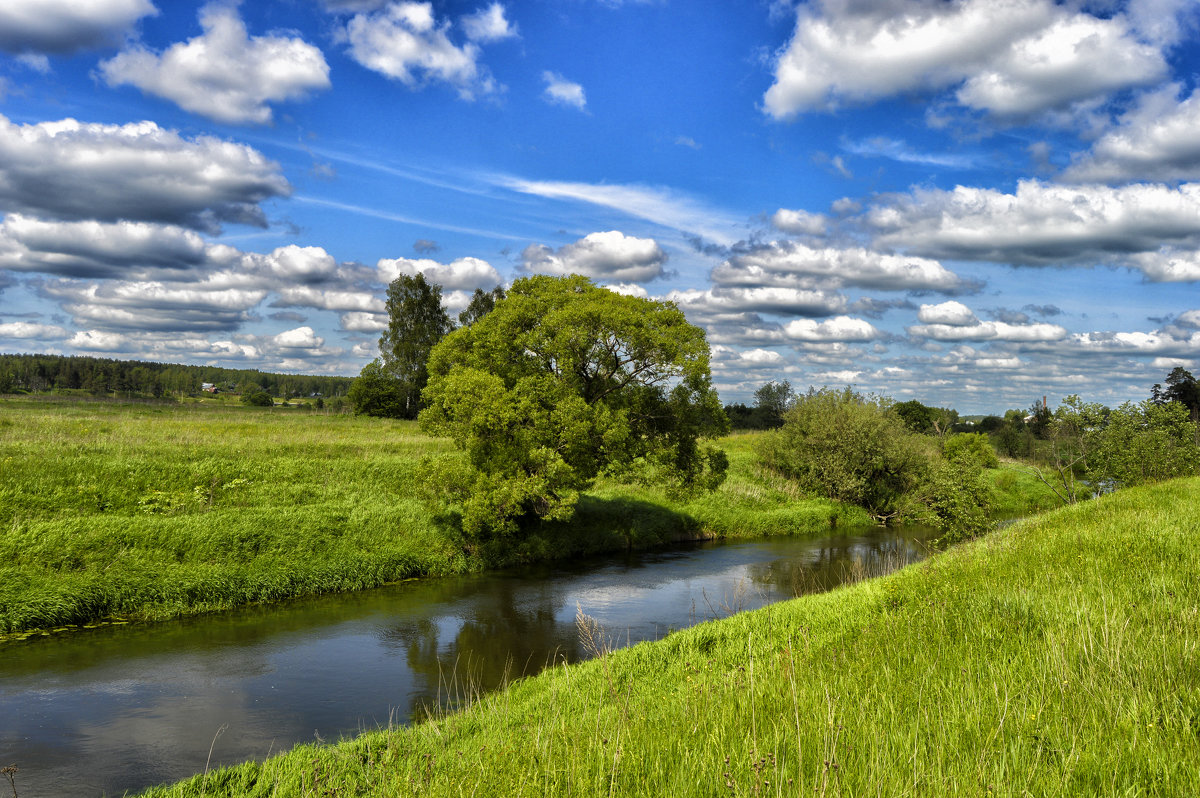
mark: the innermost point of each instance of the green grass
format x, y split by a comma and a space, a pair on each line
145, 512
1057, 656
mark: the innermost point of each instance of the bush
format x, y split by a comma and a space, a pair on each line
972, 446
258, 399
845, 446
1145, 443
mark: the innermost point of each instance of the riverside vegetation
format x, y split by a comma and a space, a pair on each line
113, 511
1056, 656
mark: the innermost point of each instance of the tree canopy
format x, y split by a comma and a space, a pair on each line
561, 382
391, 385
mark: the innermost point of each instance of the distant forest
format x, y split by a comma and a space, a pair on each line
135, 378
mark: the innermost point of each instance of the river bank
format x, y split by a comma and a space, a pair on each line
1056, 656
129, 512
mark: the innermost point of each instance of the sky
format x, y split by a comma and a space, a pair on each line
971, 203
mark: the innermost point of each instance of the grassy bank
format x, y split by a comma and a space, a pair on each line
1058, 656
143, 512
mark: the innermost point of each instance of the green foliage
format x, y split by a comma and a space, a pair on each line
972, 446
916, 416
1145, 443
482, 303
772, 401
846, 446
152, 512
375, 392
257, 399
416, 322
958, 498
561, 382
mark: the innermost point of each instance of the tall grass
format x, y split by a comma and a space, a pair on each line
134, 511
1057, 656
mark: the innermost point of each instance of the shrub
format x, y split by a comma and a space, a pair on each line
845, 446
970, 446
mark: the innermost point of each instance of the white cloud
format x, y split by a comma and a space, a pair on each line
953, 313
302, 264
299, 338
610, 255
404, 41
364, 322
224, 74
843, 329
987, 331
97, 341
304, 296
206, 306
26, 329
728, 303
561, 91
464, 274
628, 289
98, 249
1155, 141
71, 170
1074, 58
1040, 223
489, 25
1169, 265
67, 26
799, 222
1011, 56
789, 263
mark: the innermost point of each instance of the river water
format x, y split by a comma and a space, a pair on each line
120, 708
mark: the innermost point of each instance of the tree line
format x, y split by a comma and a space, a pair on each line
146, 379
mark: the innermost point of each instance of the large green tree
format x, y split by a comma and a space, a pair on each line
563, 381
392, 385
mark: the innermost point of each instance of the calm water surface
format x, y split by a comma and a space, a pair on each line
117, 709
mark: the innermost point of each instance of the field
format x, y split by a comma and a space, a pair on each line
1057, 656
121, 512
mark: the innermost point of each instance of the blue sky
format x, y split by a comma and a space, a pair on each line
972, 203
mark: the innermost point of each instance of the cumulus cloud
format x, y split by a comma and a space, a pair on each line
364, 322
125, 306
1011, 57
603, 256
224, 74
730, 302
952, 313
1155, 141
299, 338
70, 170
799, 222
792, 264
464, 274
61, 27
489, 25
98, 249
955, 324
560, 91
302, 264
840, 328
304, 296
1041, 223
34, 330
405, 42
1169, 265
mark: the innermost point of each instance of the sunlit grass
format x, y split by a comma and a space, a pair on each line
144, 512
1058, 656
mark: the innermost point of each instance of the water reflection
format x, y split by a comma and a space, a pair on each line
120, 708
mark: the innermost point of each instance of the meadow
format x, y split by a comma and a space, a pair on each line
117, 512
1056, 656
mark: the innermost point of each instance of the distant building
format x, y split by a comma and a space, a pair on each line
208, 387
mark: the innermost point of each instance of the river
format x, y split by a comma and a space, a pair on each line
120, 708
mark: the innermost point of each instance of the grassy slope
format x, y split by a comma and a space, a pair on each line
1058, 656
151, 512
